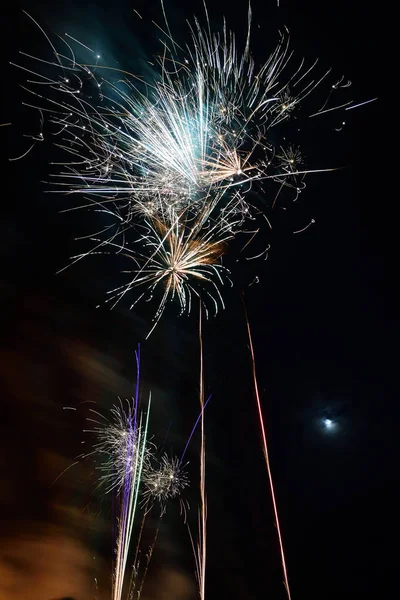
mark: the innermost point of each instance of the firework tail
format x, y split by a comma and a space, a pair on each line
148, 559
203, 498
137, 356
130, 491
129, 499
136, 560
194, 429
265, 449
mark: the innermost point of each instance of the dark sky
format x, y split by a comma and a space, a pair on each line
322, 317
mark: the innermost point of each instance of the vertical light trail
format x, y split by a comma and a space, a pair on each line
203, 507
148, 559
129, 500
266, 455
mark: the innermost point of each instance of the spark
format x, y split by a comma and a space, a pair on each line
361, 104
290, 159
322, 112
306, 227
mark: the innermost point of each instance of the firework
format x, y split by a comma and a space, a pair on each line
290, 159
170, 163
120, 452
176, 167
164, 480
129, 500
179, 261
202, 543
117, 448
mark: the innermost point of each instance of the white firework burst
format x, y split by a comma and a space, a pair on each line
177, 155
164, 479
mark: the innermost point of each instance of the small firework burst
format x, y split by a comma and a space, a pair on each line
178, 259
290, 159
164, 480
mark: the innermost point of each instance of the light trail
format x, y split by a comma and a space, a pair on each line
266, 453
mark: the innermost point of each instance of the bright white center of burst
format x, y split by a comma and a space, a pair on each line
239, 171
328, 423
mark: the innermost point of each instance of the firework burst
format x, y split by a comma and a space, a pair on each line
179, 261
290, 159
164, 480
169, 163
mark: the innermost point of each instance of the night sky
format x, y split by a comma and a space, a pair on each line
322, 318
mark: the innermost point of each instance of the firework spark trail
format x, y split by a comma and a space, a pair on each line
266, 454
203, 498
193, 430
148, 559
130, 492
136, 560
129, 500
